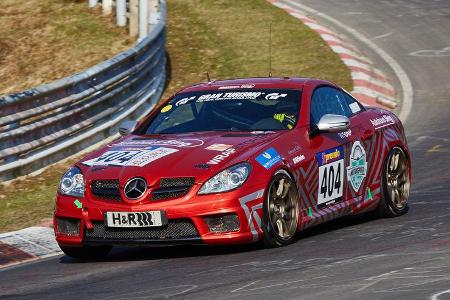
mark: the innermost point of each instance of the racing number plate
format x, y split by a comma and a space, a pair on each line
135, 219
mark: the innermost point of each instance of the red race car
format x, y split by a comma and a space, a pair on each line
235, 161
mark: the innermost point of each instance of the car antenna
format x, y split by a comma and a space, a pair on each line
270, 49
209, 79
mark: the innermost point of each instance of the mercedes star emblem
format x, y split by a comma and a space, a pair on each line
135, 188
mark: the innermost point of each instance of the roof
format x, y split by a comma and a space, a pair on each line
258, 82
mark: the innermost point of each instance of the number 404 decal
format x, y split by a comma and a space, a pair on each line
331, 175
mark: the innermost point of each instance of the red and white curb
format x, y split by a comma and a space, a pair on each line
27, 245
370, 85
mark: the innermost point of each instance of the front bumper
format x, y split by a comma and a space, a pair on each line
186, 220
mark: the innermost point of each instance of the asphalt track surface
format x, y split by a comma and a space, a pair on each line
351, 258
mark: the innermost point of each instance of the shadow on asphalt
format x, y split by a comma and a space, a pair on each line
169, 252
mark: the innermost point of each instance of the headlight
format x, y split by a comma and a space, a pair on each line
72, 183
226, 180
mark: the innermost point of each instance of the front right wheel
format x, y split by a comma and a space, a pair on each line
281, 211
395, 184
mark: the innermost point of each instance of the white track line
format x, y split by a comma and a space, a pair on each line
408, 93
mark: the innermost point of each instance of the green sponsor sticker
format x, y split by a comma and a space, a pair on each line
77, 203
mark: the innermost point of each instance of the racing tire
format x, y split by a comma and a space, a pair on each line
395, 184
280, 211
86, 252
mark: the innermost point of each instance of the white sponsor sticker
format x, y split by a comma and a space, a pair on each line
298, 159
382, 121
354, 107
181, 143
331, 182
275, 96
345, 134
137, 158
218, 158
218, 147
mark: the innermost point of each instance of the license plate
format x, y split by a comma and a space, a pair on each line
134, 219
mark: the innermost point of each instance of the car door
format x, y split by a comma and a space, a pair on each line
332, 152
363, 182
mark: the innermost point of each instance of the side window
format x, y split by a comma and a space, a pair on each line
355, 106
328, 100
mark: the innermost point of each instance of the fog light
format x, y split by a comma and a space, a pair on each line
223, 223
68, 226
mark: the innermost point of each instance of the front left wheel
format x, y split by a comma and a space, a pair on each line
281, 211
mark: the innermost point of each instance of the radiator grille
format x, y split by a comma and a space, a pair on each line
175, 229
106, 189
173, 188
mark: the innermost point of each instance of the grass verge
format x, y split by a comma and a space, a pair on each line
44, 40
227, 38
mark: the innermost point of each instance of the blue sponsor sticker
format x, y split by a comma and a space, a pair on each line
330, 155
268, 158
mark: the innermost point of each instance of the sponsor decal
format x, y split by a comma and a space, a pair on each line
229, 96
184, 101
268, 158
218, 147
330, 155
298, 159
261, 132
275, 96
354, 107
166, 108
142, 143
297, 148
331, 175
202, 166
382, 121
218, 158
78, 204
239, 95
357, 170
136, 158
346, 134
243, 86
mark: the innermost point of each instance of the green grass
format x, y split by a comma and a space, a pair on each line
227, 38
44, 40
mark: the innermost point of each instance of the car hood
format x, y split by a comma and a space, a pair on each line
181, 155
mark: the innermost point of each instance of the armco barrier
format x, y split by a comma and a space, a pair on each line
52, 121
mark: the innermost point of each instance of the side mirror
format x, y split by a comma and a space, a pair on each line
126, 127
333, 123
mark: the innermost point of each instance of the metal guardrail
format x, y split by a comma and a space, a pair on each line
50, 122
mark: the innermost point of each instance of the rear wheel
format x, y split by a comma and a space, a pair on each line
396, 184
86, 252
281, 211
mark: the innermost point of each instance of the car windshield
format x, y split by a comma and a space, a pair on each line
228, 110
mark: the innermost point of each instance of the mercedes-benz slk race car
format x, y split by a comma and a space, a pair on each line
232, 162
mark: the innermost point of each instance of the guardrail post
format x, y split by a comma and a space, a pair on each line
143, 19
92, 3
154, 14
107, 7
134, 16
121, 12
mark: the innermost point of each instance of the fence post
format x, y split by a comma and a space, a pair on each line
143, 19
92, 3
153, 11
121, 12
107, 7
134, 16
